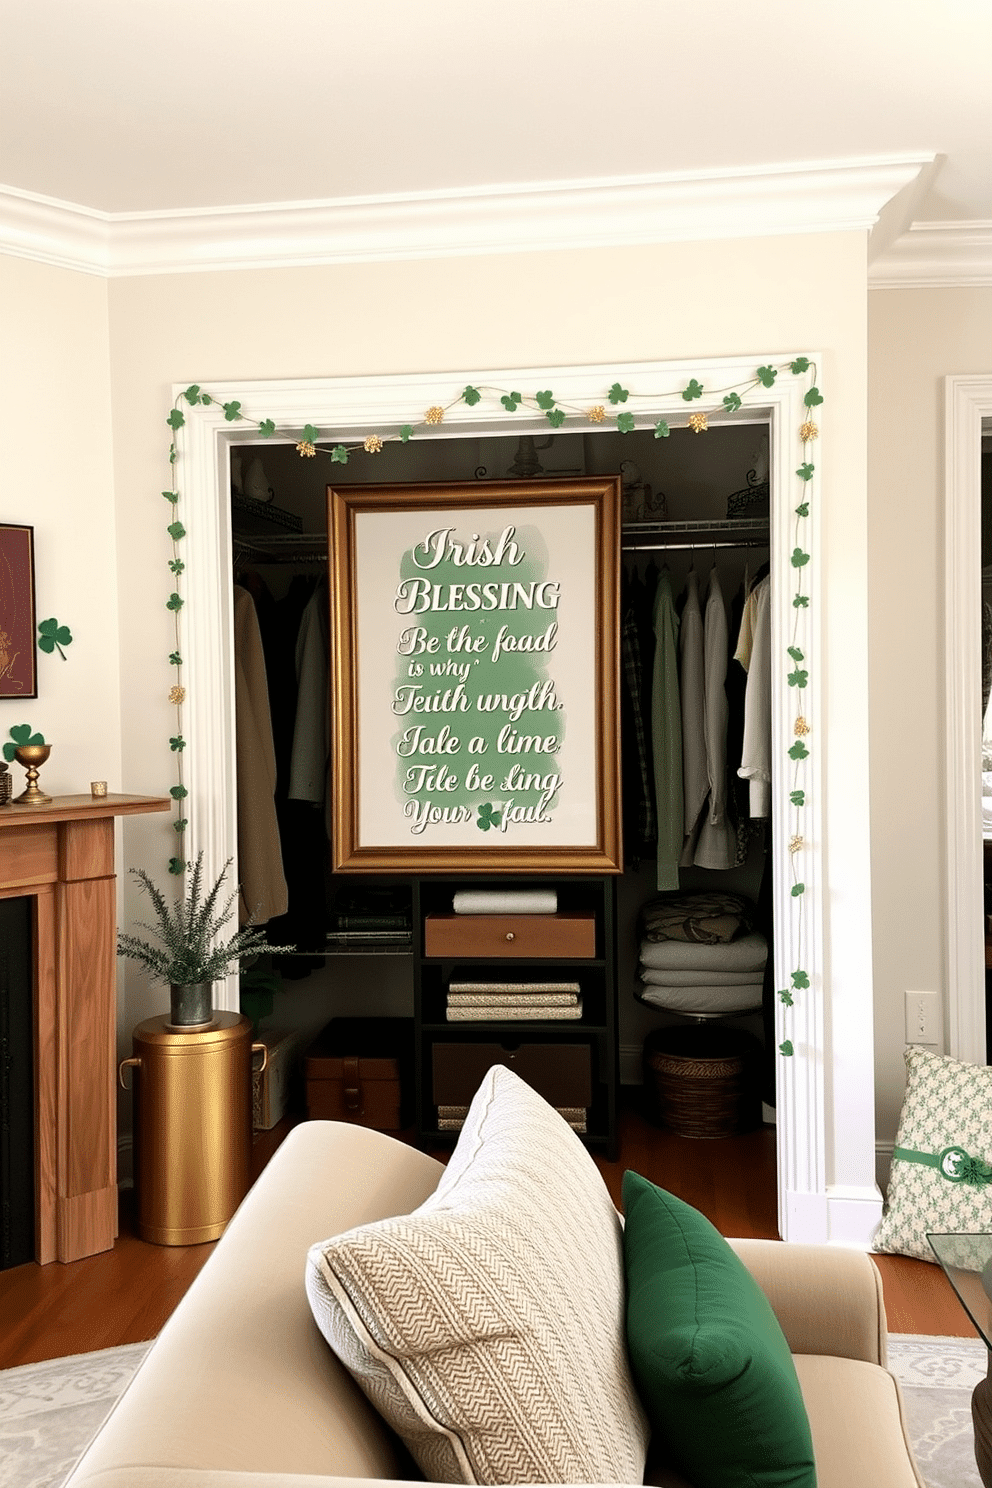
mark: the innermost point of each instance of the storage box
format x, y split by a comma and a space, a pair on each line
562, 1073
361, 1070
271, 1087
543, 936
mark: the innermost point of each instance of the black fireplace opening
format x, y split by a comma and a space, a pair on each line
16, 1084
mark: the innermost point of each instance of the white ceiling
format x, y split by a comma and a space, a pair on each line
137, 106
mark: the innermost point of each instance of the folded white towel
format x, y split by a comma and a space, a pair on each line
505, 901
749, 953
702, 999
701, 978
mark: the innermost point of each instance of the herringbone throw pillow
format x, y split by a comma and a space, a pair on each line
941, 1178
487, 1327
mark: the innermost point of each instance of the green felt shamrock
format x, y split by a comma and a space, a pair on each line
232, 411
511, 401
767, 376
176, 419
310, 433
801, 364
732, 402
52, 637
661, 430
192, 393
786, 1048
798, 750
545, 400
267, 428
21, 734
488, 817
555, 417
692, 389
339, 455
625, 423
813, 397
787, 997
797, 889
618, 394
800, 979
471, 396
406, 432
798, 798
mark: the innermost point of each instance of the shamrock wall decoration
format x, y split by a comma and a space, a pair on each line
52, 637
21, 734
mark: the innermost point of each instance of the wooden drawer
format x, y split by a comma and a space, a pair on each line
562, 1073
509, 936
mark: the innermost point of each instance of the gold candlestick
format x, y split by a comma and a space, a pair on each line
32, 757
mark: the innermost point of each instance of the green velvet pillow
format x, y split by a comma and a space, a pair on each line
710, 1361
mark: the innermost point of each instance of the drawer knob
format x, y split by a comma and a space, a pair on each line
509, 935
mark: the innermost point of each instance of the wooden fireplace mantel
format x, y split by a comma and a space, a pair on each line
62, 855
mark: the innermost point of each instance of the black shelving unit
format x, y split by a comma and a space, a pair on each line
591, 1041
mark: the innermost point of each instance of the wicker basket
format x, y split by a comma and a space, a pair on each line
703, 1081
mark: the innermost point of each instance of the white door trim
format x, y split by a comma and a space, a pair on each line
816, 1151
967, 401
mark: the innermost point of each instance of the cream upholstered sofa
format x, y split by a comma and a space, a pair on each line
240, 1390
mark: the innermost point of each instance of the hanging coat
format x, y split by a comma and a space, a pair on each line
666, 735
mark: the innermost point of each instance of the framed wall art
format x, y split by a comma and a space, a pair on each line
18, 657
475, 641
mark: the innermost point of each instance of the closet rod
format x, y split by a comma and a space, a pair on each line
681, 547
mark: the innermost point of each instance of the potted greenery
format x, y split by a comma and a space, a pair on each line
189, 956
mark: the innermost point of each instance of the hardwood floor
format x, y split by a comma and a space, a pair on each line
126, 1294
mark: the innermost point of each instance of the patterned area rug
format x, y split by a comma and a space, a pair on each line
50, 1412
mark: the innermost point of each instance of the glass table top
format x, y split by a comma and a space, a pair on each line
967, 1264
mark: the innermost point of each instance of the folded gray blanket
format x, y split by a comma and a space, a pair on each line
684, 977
702, 999
505, 901
749, 953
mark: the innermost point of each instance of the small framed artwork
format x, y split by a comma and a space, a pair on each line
475, 646
18, 656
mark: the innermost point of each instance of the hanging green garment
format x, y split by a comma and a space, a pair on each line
666, 734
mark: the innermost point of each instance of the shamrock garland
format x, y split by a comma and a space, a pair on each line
621, 400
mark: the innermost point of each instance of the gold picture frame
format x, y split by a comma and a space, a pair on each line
475, 676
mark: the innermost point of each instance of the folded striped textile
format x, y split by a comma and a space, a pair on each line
749, 953
512, 989
686, 978
578, 1123
458, 1113
701, 1000
498, 1012
513, 1000
505, 901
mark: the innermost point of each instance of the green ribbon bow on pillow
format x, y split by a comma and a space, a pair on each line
954, 1164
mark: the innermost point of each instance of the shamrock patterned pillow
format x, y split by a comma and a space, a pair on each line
941, 1177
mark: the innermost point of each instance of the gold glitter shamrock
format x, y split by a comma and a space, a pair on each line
698, 423
597, 414
306, 448
796, 844
801, 727
177, 695
808, 431
434, 415
373, 444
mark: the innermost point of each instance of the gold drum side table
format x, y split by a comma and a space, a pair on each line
192, 1126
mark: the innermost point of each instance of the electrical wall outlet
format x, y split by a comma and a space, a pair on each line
923, 1018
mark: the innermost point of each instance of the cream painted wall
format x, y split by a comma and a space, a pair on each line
56, 473
916, 339
766, 297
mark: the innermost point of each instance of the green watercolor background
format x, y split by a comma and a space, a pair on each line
513, 672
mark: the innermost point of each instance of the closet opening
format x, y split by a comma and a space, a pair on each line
696, 510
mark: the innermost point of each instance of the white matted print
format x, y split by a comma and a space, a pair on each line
475, 658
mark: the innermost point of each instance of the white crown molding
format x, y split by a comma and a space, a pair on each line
937, 255
820, 196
